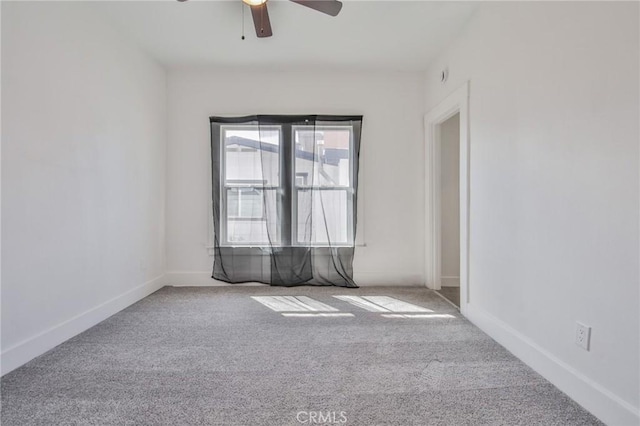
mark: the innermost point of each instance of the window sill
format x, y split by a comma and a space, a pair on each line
211, 249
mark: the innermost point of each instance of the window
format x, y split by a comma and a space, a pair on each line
324, 196
287, 184
251, 170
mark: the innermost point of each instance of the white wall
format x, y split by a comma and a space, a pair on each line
391, 177
83, 166
554, 189
450, 201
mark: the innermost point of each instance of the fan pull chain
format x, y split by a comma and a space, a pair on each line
242, 6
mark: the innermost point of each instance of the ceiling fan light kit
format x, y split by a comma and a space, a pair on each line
260, 13
254, 2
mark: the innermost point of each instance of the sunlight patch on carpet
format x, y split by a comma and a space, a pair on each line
382, 304
293, 304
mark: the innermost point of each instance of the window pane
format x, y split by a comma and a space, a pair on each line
247, 222
245, 203
322, 156
252, 154
323, 216
233, 200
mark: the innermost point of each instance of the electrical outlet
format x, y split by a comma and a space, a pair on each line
583, 335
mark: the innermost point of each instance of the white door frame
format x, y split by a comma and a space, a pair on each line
457, 102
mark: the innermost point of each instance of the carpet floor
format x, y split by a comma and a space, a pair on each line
217, 356
452, 294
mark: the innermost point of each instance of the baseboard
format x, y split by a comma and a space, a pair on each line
449, 281
601, 402
26, 350
366, 279
388, 278
196, 279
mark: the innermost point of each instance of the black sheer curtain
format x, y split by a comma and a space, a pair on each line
284, 198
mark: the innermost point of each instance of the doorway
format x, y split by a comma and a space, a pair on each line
447, 198
450, 209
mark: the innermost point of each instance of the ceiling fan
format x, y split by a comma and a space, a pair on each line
260, 13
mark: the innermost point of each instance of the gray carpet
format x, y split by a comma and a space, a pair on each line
452, 294
192, 356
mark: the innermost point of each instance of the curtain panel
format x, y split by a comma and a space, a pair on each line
284, 198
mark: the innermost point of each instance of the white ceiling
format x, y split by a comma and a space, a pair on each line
395, 35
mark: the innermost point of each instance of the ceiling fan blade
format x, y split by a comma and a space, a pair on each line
330, 7
261, 20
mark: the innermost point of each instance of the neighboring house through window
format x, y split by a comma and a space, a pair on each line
287, 185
